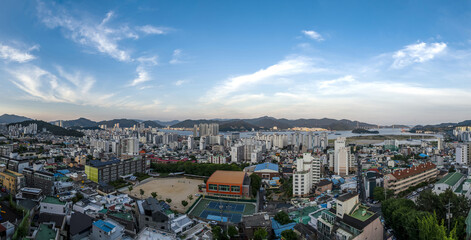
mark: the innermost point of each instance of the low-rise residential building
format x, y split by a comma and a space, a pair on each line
151, 213
39, 179
106, 230
11, 181
401, 180
53, 205
349, 219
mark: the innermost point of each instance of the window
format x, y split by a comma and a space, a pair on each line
213, 187
235, 189
224, 188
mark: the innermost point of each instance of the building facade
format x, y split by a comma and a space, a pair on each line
104, 172
401, 180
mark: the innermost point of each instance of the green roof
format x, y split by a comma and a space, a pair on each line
451, 178
104, 211
53, 200
303, 214
45, 233
358, 214
122, 215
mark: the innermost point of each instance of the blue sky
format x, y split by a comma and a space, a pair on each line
380, 62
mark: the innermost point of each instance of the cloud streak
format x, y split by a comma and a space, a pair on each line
417, 53
9, 53
313, 35
97, 35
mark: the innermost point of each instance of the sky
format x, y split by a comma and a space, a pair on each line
381, 62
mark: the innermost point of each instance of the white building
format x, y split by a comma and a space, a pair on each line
342, 158
307, 173
462, 154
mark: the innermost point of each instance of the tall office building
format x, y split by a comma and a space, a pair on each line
205, 129
195, 130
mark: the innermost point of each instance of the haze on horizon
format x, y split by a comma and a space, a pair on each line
395, 62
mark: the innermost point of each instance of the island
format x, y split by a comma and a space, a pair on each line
364, 131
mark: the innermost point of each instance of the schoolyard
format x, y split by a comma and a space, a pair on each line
177, 189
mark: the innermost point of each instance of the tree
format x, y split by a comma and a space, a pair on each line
190, 197
255, 184
283, 218
260, 234
184, 203
429, 228
154, 194
141, 191
378, 194
168, 200
289, 235
232, 231
130, 188
218, 233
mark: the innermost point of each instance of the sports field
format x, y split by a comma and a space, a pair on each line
177, 189
223, 211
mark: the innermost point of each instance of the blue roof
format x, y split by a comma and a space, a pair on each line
423, 155
270, 166
217, 218
278, 228
105, 226
64, 171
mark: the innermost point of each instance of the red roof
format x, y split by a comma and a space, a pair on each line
400, 174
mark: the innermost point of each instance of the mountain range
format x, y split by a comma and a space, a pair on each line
56, 130
261, 123
11, 118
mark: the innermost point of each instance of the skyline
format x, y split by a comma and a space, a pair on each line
381, 63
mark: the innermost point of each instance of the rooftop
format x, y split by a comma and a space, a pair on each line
96, 163
105, 226
362, 214
122, 215
451, 179
264, 166
414, 170
53, 200
346, 196
228, 177
45, 232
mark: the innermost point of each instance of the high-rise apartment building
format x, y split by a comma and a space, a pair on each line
307, 173
129, 146
342, 159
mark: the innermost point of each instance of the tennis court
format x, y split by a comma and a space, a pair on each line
234, 207
222, 210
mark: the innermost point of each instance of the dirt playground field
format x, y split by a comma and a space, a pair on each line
177, 189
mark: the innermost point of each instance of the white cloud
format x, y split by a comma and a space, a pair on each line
288, 67
65, 88
180, 82
176, 56
417, 53
9, 53
149, 29
143, 70
313, 35
97, 35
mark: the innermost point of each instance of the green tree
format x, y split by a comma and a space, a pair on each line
289, 235
282, 217
184, 203
168, 200
190, 197
232, 231
255, 184
378, 194
218, 233
154, 194
130, 188
141, 191
260, 234
429, 228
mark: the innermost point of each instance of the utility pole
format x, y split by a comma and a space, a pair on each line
448, 215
